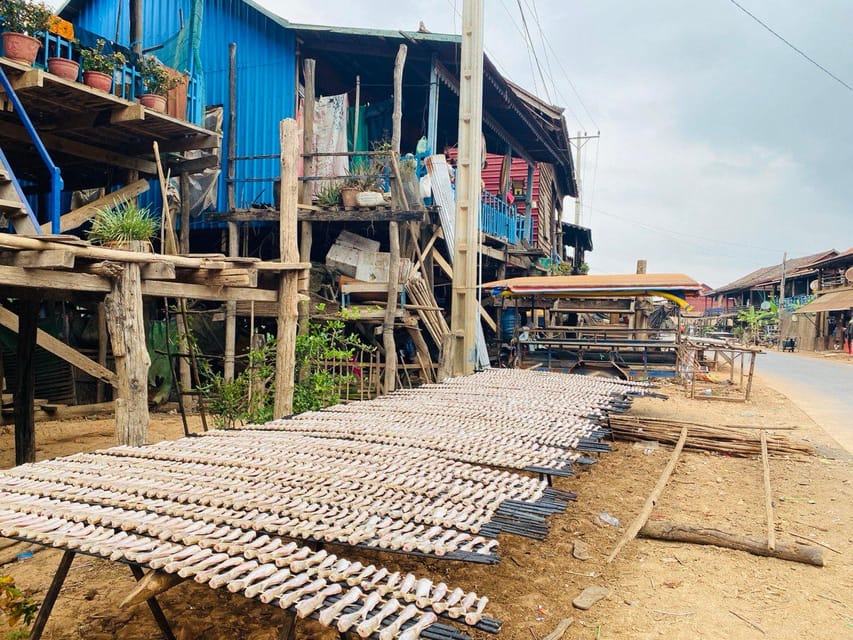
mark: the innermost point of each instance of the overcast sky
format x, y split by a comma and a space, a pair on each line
720, 147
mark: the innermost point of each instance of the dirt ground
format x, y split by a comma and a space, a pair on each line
658, 589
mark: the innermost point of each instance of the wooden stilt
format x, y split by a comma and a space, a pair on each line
103, 338
154, 606
306, 191
288, 293
51, 595
127, 332
25, 426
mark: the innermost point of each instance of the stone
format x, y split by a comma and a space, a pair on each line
589, 597
580, 550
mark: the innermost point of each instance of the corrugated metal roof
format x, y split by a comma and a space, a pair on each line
766, 275
836, 301
615, 283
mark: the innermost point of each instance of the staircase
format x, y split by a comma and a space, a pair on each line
14, 208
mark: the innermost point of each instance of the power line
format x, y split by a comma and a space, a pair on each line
525, 39
704, 238
800, 51
532, 49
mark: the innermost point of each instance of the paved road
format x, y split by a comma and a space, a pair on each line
820, 387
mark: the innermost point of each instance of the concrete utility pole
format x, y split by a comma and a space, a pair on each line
464, 314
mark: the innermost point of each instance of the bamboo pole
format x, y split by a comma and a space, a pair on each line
768, 498
646, 511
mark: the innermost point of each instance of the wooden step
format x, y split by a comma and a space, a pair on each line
13, 207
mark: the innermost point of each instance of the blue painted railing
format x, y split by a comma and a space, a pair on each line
53, 171
500, 219
21, 196
127, 81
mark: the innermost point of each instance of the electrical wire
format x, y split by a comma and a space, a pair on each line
705, 239
524, 38
799, 51
532, 48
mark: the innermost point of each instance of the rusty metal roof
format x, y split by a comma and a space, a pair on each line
625, 284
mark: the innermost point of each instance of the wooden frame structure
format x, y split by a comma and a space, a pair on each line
698, 356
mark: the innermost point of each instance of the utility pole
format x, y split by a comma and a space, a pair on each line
464, 314
578, 143
781, 298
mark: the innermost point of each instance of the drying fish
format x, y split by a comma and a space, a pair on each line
277, 578
473, 617
331, 612
404, 616
369, 626
288, 599
307, 607
415, 630
348, 620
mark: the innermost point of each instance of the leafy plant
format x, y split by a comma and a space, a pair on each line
98, 60
321, 355
329, 196
754, 319
123, 222
20, 16
15, 608
155, 77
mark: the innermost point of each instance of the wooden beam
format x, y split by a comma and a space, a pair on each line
100, 155
158, 271
319, 214
58, 348
32, 79
52, 258
51, 279
223, 277
77, 217
768, 495
306, 189
441, 262
488, 319
130, 113
165, 288
194, 165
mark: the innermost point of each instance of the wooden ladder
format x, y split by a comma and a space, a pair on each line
13, 208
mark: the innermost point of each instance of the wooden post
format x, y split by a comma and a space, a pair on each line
183, 363
126, 325
464, 313
233, 230
306, 191
394, 233
768, 496
102, 348
751, 373
288, 293
135, 10
25, 426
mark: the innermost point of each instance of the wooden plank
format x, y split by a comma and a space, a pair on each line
165, 288
441, 262
58, 348
77, 217
487, 318
223, 277
53, 280
100, 155
25, 430
130, 113
158, 271
50, 259
646, 511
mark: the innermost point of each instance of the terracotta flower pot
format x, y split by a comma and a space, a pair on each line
348, 195
153, 102
20, 48
98, 80
64, 68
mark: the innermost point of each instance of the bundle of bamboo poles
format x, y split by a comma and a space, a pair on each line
428, 310
736, 441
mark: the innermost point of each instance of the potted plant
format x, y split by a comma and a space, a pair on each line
123, 225
329, 196
22, 20
157, 82
65, 68
98, 66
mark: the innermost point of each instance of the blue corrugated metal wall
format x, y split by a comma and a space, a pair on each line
265, 75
